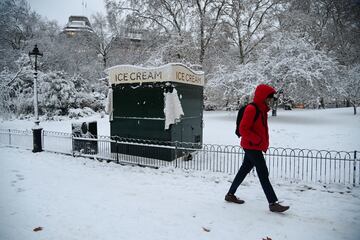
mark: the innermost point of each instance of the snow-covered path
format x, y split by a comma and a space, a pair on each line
78, 198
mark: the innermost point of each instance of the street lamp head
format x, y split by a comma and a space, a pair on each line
35, 52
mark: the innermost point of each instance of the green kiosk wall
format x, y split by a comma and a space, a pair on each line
139, 105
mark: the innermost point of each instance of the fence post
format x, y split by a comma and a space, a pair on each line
117, 151
9, 137
42, 139
176, 154
72, 144
354, 173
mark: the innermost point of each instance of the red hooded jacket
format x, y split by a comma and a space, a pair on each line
255, 135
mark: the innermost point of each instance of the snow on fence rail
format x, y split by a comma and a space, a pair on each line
319, 166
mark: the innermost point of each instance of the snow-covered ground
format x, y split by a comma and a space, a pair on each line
79, 198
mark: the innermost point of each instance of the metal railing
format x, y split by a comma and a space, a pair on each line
318, 166
16, 138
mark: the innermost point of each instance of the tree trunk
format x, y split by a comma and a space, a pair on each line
202, 42
353, 104
104, 61
241, 52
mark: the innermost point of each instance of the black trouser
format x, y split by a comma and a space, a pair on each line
255, 158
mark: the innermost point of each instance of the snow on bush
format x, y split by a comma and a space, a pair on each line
286, 62
227, 88
58, 92
304, 73
80, 112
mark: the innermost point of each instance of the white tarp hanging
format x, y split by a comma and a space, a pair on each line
173, 109
109, 104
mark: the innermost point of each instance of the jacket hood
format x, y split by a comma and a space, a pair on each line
262, 92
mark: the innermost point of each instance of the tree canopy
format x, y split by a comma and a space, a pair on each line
309, 49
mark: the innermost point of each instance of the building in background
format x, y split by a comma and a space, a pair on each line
77, 25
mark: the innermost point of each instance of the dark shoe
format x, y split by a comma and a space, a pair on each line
277, 207
232, 198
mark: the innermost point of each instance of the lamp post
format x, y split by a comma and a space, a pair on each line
276, 102
37, 130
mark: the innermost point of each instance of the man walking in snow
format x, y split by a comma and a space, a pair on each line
255, 140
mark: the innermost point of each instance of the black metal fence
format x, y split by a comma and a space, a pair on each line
318, 166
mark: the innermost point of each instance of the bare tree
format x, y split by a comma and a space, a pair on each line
175, 18
348, 85
209, 13
169, 16
250, 21
16, 23
103, 38
332, 25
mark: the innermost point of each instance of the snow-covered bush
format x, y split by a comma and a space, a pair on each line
304, 73
58, 92
16, 87
229, 88
287, 62
80, 112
